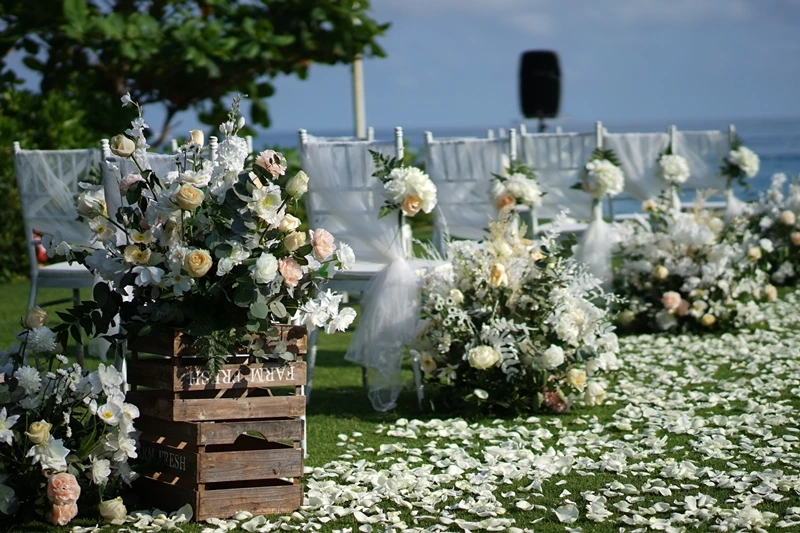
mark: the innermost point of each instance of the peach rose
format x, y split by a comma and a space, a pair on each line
272, 161
60, 515
290, 270
411, 205
198, 263
63, 489
129, 180
795, 238
671, 300
504, 201
771, 293
323, 244
683, 308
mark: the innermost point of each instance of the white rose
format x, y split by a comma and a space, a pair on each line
483, 357
113, 511
100, 471
298, 185
594, 394
346, 256
766, 245
553, 357
265, 268
289, 223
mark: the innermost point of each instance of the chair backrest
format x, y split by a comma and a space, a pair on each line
48, 188
462, 170
115, 168
704, 152
343, 196
558, 159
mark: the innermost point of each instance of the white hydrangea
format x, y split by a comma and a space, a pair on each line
524, 190
673, 168
41, 340
746, 159
603, 177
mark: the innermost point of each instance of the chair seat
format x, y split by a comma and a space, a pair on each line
65, 275
365, 270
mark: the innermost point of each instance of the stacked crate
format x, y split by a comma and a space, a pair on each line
223, 444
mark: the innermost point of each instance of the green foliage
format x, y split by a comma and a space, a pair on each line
180, 53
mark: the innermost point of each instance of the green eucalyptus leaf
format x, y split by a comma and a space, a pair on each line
259, 310
9, 504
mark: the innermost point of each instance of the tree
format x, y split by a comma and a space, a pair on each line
181, 53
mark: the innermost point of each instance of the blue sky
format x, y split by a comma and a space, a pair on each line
454, 63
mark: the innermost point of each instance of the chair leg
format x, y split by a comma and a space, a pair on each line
34, 288
311, 359
364, 377
418, 381
79, 348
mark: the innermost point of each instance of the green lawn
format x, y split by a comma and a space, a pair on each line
696, 433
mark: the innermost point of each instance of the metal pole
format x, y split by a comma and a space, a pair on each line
359, 108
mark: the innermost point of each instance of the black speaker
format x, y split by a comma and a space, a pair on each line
539, 84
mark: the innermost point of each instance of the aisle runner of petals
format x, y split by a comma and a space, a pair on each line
704, 435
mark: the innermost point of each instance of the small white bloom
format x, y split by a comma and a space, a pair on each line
109, 413
101, 469
6, 423
29, 379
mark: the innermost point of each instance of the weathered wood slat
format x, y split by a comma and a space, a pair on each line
156, 404
273, 498
160, 374
180, 344
226, 432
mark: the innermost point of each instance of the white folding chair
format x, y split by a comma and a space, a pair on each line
558, 160
48, 189
462, 170
704, 152
352, 172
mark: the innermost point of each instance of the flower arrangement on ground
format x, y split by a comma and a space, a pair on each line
513, 325
776, 218
688, 271
406, 188
517, 187
65, 434
740, 163
209, 236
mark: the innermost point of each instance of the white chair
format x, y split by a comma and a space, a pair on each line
48, 189
704, 152
462, 170
344, 198
558, 160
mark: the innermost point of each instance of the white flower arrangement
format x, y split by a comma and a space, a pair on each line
740, 163
517, 187
602, 175
673, 168
511, 325
406, 188
775, 217
64, 432
688, 271
210, 235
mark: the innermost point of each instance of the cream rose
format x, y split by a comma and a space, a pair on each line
594, 394
39, 432
113, 511
576, 379
197, 136
189, 197
660, 272
122, 146
553, 357
60, 515
411, 205
63, 488
289, 223
627, 317
771, 293
795, 238
788, 217
498, 276
35, 317
754, 253
323, 244
135, 255
708, 320
298, 185
671, 300
483, 357
197, 263
291, 271
295, 240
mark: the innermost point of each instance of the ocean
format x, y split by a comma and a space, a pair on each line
775, 140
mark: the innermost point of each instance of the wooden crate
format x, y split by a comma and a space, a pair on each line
168, 381
224, 444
